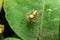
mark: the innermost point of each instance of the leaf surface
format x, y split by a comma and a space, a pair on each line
11, 38
45, 25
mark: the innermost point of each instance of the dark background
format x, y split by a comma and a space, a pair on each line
8, 32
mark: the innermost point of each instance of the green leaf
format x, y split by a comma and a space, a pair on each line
11, 38
50, 20
45, 25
